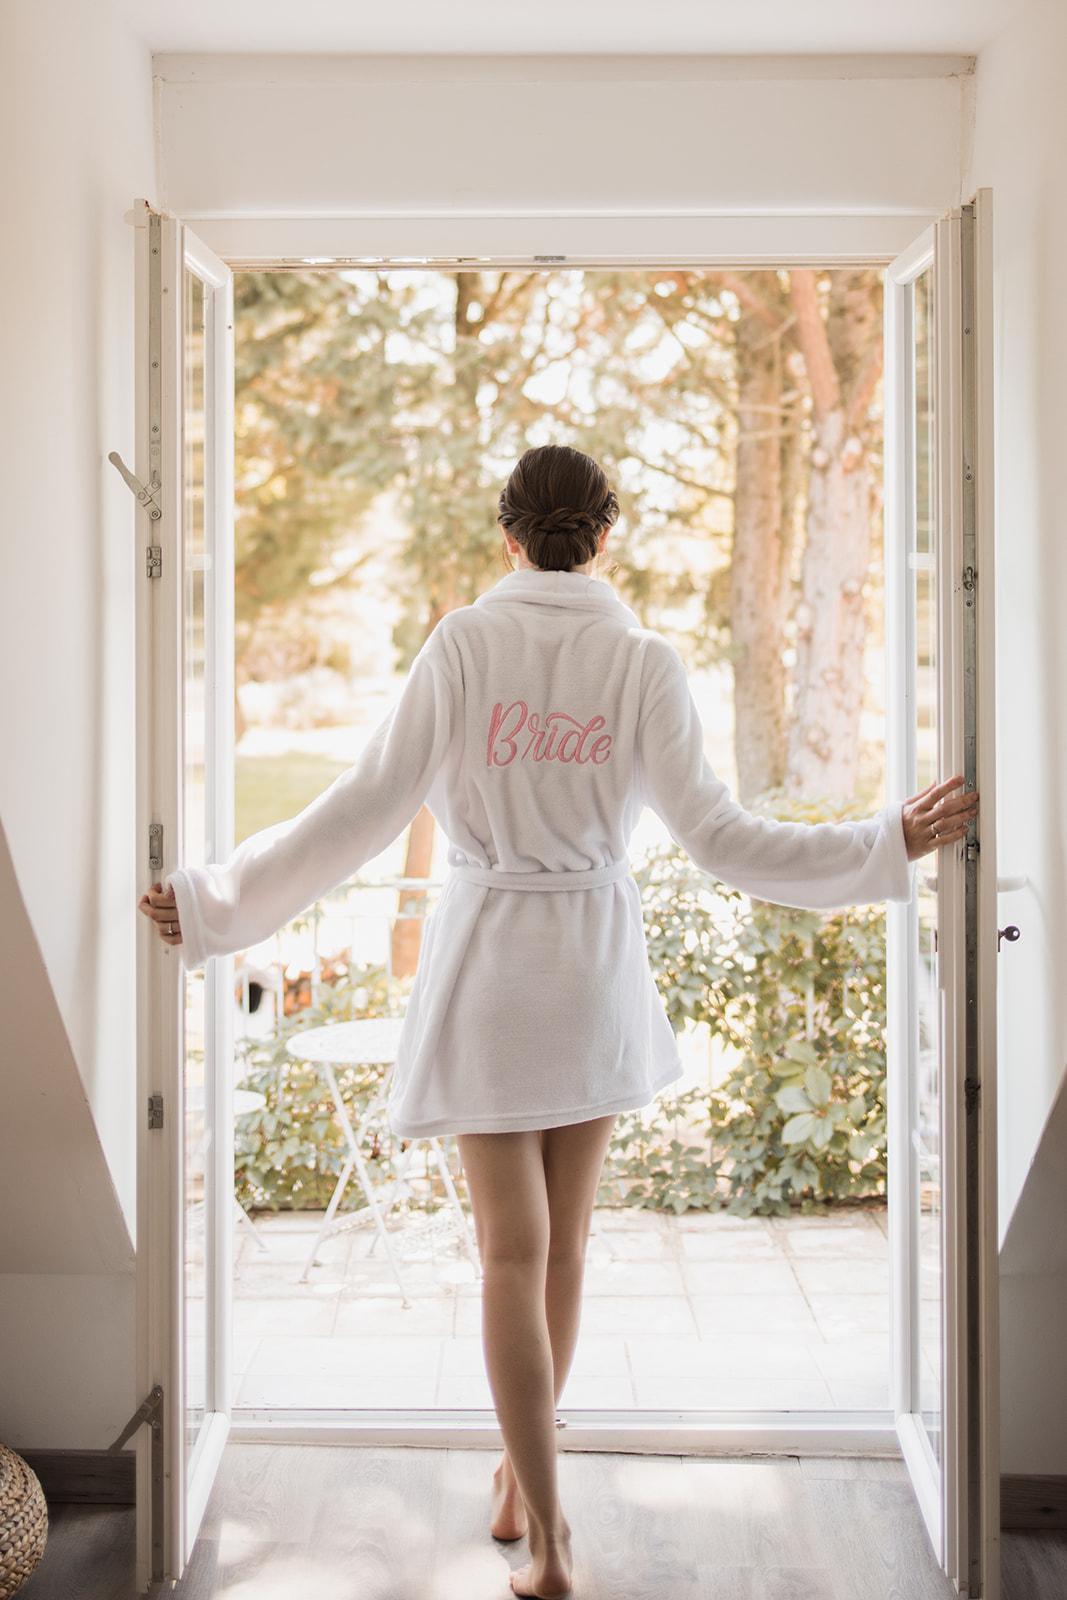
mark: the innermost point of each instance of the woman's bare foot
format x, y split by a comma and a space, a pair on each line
548, 1575
509, 1512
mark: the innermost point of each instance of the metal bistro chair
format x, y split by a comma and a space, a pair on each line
371, 1041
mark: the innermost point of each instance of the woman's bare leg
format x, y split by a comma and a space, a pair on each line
532, 1196
506, 1179
573, 1159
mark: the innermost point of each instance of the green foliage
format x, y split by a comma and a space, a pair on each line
798, 997
428, 386
800, 1120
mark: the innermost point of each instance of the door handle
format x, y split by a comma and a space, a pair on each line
1011, 933
1005, 885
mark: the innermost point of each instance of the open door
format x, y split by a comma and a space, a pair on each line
184, 483
942, 947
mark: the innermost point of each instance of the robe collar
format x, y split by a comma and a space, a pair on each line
572, 590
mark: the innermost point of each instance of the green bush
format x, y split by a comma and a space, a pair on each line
799, 1121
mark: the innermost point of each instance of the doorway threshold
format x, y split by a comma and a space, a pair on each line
703, 1433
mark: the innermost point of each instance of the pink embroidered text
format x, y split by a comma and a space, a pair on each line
555, 737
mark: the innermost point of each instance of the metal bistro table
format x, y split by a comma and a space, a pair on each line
370, 1041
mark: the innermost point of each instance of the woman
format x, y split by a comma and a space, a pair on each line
536, 724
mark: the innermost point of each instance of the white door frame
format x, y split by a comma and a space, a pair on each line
704, 241
169, 1511
959, 1496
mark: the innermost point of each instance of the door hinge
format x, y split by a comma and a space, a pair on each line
155, 846
150, 1411
155, 1110
970, 578
153, 561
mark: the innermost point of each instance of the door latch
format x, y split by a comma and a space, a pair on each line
145, 495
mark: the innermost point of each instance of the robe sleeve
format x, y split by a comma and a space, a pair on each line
278, 872
816, 866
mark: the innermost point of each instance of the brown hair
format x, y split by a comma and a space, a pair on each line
556, 503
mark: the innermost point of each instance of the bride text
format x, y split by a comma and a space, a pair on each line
517, 733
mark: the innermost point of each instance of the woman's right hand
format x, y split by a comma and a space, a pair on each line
158, 904
931, 818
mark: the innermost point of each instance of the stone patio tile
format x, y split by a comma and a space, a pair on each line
587, 1391
290, 1246
717, 1222
841, 1317
464, 1393
713, 1245
380, 1283
593, 1357
370, 1314
738, 1355
298, 1390
284, 1221
853, 1395
373, 1355
468, 1317
661, 1314
631, 1245
754, 1313
863, 1360
864, 1243
739, 1277
733, 1394
244, 1348
631, 1219
635, 1278
279, 1280
843, 1277
598, 1393
462, 1358
297, 1316
845, 1217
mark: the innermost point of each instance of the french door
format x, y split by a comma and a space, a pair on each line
185, 779
942, 946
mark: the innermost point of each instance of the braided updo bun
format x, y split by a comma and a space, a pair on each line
556, 503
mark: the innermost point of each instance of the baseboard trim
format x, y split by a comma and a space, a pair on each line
1029, 1501
86, 1477
100, 1477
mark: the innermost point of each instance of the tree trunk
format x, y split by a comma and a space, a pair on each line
843, 357
755, 585
418, 857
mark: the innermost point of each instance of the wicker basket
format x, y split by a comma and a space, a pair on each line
23, 1522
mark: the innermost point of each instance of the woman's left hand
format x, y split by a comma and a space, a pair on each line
158, 903
931, 818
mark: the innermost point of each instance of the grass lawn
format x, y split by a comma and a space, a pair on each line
273, 788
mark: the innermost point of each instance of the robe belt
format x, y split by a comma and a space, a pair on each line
579, 878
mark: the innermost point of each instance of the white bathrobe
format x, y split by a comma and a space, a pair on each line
535, 724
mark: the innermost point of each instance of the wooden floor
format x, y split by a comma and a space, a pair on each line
333, 1523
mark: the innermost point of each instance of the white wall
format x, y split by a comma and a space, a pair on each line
77, 135
325, 153
1019, 139
1020, 135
